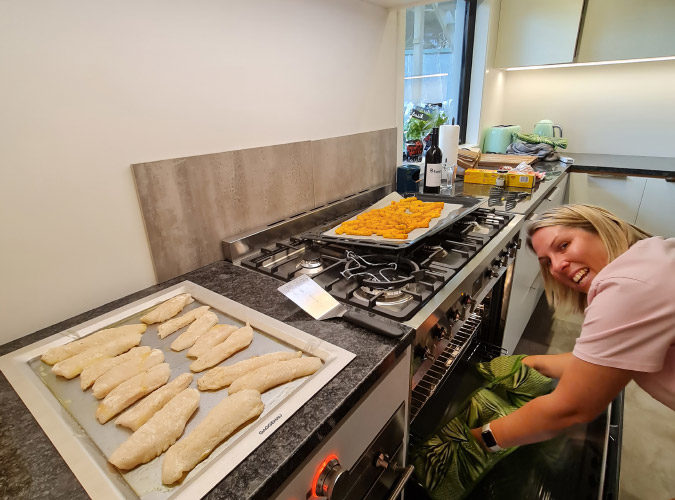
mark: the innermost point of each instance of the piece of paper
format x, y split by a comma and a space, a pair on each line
313, 299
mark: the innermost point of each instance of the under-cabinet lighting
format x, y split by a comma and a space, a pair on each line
597, 63
424, 76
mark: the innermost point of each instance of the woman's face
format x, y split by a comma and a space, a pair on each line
573, 256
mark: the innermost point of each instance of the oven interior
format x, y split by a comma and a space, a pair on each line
569, 466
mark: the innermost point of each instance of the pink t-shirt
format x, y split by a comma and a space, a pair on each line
630, 319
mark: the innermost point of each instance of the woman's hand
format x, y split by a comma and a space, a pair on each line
584, 391
551, 365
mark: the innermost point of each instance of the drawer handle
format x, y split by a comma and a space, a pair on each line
611, 176
550, 195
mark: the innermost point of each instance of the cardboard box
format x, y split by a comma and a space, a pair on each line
511, 179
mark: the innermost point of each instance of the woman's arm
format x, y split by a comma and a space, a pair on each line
551, 365
584, 391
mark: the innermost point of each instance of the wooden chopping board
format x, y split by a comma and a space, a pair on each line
490, 160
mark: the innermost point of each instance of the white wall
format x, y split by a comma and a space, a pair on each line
622, 109
89, 88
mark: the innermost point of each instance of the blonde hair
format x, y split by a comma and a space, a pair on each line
616, 234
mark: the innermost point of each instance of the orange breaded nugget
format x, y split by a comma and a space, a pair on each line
395, 220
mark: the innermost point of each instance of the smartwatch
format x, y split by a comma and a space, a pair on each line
489, 438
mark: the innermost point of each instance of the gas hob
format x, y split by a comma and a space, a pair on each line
392, 284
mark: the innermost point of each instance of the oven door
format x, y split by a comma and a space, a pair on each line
581, 463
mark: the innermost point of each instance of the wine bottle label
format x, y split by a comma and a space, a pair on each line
433, 175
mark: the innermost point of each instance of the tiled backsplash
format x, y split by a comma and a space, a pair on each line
190, 204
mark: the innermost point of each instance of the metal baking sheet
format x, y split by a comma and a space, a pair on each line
85, 444
455, 208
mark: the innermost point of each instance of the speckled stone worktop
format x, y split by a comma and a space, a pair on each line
32, 468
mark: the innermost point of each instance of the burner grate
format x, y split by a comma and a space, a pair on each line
418, 271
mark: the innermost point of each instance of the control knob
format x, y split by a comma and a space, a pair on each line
333, 481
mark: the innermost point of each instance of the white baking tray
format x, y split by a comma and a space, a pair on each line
67, 414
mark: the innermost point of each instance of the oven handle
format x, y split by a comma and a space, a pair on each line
407, 472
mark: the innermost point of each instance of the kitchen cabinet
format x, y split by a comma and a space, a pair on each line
534, 32
647, 202
620, 194
538, 32
527, 285
656, 213
625, 29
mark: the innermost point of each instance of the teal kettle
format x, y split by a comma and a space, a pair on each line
546, 128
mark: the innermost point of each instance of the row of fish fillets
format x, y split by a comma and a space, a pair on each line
120, 372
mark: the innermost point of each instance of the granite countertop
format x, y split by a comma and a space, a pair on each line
656, 166
32, 468
531, 197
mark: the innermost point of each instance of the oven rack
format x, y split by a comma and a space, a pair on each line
445, 363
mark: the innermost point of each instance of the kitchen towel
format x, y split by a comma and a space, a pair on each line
448, 141
450, 463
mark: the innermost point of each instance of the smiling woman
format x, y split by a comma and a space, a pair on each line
596, 236
621, 278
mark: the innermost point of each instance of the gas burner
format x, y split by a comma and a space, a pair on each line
310, 263
379, 271
393, 297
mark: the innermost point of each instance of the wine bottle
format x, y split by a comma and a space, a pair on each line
432, 165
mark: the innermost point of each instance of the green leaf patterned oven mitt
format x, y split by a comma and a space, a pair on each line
451, 462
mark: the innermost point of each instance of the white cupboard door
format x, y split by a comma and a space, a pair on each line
620, 194
534, 32
657, 210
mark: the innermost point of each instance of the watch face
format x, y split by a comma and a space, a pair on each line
488, 439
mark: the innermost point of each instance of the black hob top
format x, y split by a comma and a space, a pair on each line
394, 284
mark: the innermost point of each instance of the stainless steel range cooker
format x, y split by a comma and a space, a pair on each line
449, 288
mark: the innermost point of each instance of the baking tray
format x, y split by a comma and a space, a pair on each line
456, 208
67, 414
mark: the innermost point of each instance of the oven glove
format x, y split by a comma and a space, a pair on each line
452, 462
514, 381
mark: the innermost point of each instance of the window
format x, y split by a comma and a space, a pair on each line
438, 47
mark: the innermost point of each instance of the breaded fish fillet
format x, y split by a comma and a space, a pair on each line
73, 366
275, 374
127, 393
56, 354
222, 376
124, 371
136, 416
194, 331
98, 368
168, 327
226, 417
167, 309
216, 335
158, 433
237, 341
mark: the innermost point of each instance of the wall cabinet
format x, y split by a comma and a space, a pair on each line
539, 32
625, 29
526, 283
534, 32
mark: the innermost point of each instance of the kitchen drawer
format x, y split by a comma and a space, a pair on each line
554, 198
657, 208
620, 194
